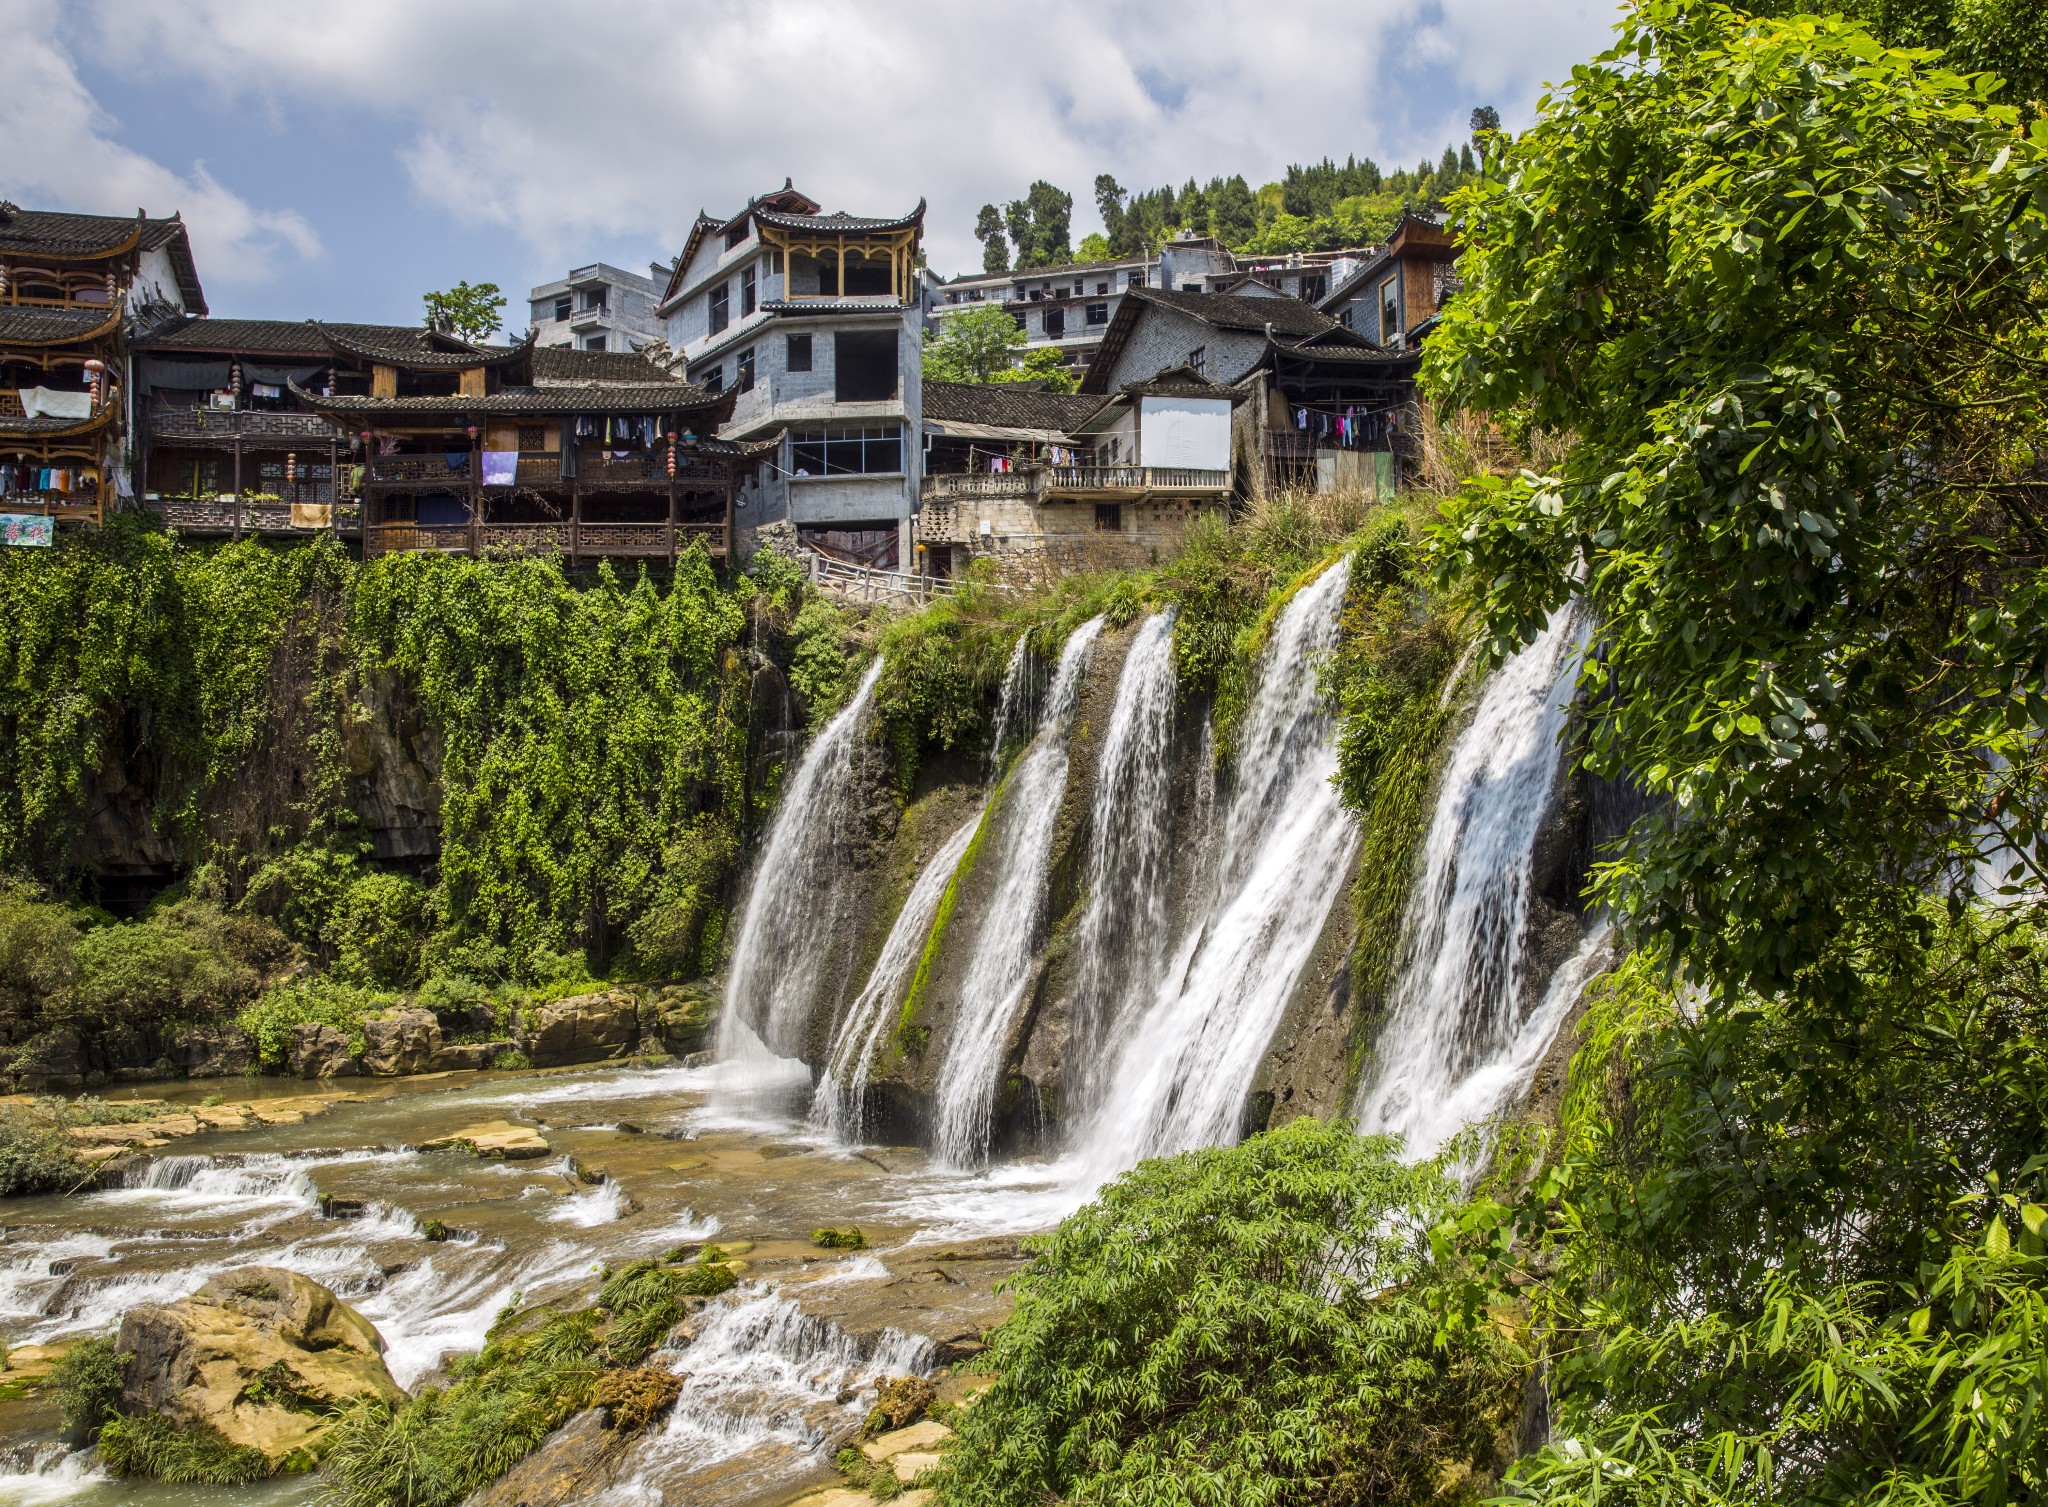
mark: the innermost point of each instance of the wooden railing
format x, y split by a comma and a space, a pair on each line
206, 515
866, 584
226, 424
413, 470
1036, 483
562, 537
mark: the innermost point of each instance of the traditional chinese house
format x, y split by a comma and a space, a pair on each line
71, 289
472, 448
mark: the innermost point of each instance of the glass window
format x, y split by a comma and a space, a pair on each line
1098, 313
746, 292
562, 307
594, 343
744, 381
1055, 323
721, 307
865, 450
714, 378
799, 353
1390, 312
1101, 288
1198, 360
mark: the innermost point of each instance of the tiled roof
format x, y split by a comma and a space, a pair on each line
839, 220
1006, 405
647, 397
1182, 382
1230, 311
414, 346
53, 428
1352, 354
561, 364
1064, 269
62, 236
34, 326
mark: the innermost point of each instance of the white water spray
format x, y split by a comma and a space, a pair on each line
800, 889
836, 1111
1454, 1019
1123, 936
1000, 967
1182, 1071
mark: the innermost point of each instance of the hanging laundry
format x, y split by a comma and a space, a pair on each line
501, 468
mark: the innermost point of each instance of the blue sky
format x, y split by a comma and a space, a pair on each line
337, 160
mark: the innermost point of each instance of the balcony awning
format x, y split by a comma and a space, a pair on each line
955, 429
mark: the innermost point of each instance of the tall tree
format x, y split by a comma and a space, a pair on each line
988, 229
984, 344
1109, 203
1485, 123
1041, 226
469, 313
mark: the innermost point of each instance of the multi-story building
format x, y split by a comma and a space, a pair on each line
1069, 308
599, 308
1393, 298
813, 323
73, 288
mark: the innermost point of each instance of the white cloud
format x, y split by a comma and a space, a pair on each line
57, 152
576, 125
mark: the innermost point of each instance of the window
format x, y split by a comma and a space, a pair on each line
533, 436
746, 292
1055, 323
975, 296
1134, 278
866, 450
713, 378
1198, 360
744, 380
562, 307
1390, 312
1313, 288
864, 367
1100, 289
1191, 287
593, 342
1080, 288
596, 300
721, 307
736, 235
1098, 313
799, 353
1109, 517
775, 264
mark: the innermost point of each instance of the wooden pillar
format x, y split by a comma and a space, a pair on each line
842, 269
671, 523
238, 478
575, 517
730, 547
334, 486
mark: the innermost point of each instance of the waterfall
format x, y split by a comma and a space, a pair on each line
787, 933
837, 1108
1121, 942
1454, 1015
1181, 1072
1011, 705
1000, 966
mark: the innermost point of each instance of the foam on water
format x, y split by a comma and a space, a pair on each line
432, 1308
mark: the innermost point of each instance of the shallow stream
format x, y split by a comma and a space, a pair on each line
780, 1366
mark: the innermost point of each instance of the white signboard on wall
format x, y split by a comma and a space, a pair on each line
1184, 432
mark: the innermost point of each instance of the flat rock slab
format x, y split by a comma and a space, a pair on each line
919, 1438
495, 1138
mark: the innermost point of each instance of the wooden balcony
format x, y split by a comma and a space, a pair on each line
216, 426
1078, 483
418, 471
206, 515
641, 541
594, 472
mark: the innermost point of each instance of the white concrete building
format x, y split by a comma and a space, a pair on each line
598, 308
816, 321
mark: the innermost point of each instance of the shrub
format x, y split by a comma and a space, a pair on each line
150, 971
36, 1156
157, 1449
38, 951
376, 931
1250, 1324
268, 1022
87, 1380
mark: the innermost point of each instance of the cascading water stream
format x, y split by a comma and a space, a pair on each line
799, 892
1000, 966
1454, 1017
1123, 936
836, 1110
1181, 1071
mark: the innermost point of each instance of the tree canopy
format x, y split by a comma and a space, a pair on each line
982, 343
469, 312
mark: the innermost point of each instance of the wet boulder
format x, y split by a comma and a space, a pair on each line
594, 1027
400, 1042
264, 1357
467, 1056
317, 1051
210, 1051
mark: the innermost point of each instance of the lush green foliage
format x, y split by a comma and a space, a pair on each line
1246, 1325
470, 312
36, 1157
536, 1370
297, 1002
984, 344
1782, 287
87, 1380
154, 1448
1774, 292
